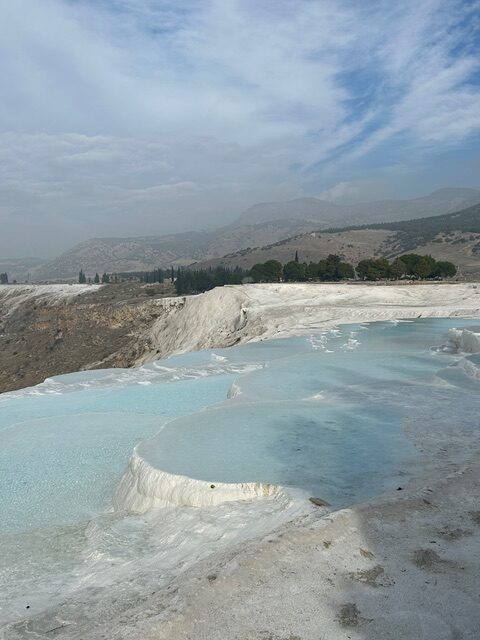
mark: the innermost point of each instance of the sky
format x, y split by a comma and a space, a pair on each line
137, 117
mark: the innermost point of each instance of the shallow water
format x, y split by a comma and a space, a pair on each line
62, 457
324, 415
341, 452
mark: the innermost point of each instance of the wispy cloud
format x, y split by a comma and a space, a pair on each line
116, 108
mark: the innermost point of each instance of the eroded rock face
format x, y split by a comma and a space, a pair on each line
42, 335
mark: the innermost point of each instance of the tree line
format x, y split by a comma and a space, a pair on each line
330, 269
156, 275
196, 281
104, 279
409, 265
333, 268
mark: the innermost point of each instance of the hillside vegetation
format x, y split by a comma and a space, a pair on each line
453, 237
417, 232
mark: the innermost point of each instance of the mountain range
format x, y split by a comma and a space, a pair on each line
327, 213
261, 225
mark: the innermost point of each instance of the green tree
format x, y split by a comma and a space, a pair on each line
410, 260
82, 278
180, 283
331, 267
4, 278
365, 269
373, 269
334, 269
294, 272
274, 269
312, 271
382, 267
398, 268
419, 266
270, 271
445, 269
345, 271
96, 279
322, 270
105, 278
424, 267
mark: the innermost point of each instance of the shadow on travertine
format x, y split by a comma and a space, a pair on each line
405, 568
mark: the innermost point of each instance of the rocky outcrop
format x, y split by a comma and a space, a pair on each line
54, 329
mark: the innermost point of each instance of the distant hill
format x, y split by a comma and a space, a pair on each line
20, 269
326, 213
423, 230
261, 225
321, 211
145, 253
454, 237
123, 254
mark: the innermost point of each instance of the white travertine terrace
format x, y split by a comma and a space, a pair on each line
235, 314
142, 487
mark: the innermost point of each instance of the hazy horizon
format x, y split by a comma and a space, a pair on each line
143, 117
